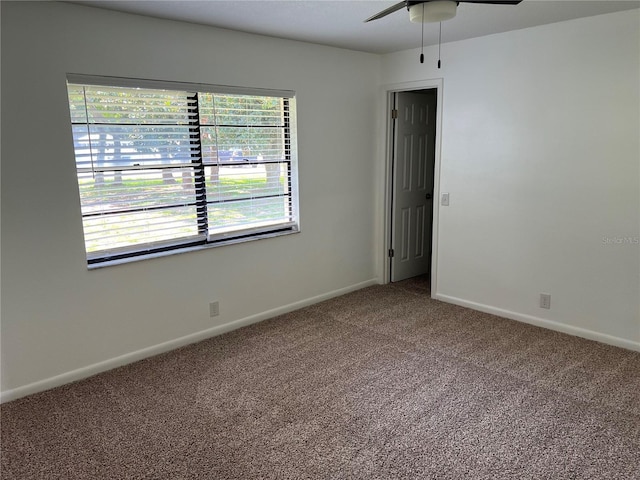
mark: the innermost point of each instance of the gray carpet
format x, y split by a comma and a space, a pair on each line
382, 383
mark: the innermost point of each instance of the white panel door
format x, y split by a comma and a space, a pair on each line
412, 208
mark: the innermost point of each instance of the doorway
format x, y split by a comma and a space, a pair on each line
412, 165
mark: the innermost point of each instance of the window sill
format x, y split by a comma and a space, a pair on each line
219, 243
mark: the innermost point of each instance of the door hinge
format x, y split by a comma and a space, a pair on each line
394, 113
391, 252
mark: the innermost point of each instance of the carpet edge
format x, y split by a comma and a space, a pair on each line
131, 357
541, 322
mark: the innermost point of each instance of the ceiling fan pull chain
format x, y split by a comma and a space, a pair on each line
422, 42
439, 44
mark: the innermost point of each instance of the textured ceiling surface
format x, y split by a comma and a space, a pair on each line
340, 23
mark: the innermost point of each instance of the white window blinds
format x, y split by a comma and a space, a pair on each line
162, 169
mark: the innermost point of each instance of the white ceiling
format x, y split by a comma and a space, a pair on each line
339, 23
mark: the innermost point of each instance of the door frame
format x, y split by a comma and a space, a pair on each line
388, 148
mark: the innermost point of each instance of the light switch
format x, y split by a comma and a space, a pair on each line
444, 200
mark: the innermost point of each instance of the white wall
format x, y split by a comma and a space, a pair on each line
541, 157
57, 316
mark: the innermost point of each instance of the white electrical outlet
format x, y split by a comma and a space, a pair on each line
545, 301
214, 309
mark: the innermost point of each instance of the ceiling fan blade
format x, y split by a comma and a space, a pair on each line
387, 11
493, 2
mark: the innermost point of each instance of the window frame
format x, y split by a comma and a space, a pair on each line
204, 239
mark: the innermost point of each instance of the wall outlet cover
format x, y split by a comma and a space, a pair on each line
545, 301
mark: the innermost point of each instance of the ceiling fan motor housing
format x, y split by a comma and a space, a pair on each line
433, 11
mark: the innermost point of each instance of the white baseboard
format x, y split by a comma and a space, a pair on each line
112, 363
540, 322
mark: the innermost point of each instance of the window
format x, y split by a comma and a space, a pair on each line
164, 166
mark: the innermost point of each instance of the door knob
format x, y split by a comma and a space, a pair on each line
429, 196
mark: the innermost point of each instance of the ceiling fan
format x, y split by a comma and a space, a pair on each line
428, 11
